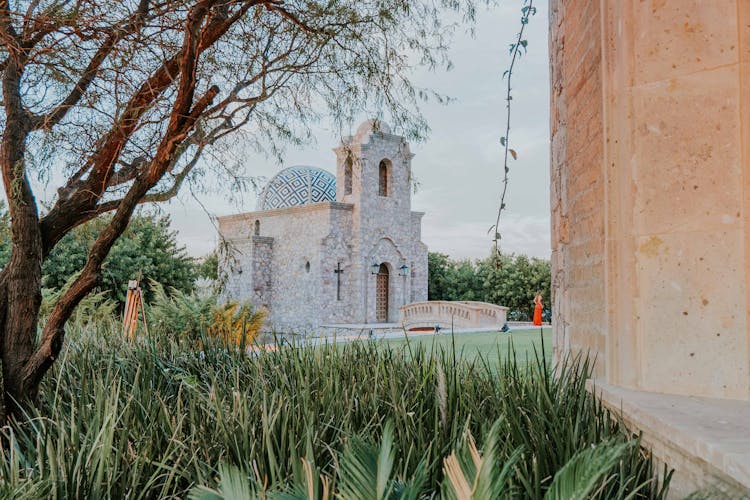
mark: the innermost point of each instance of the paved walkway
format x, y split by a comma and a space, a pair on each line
383, 331
341, 333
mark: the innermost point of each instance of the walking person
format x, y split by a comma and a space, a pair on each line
538, 309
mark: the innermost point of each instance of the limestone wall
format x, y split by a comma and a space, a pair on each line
650, 178
577, 185
301, 296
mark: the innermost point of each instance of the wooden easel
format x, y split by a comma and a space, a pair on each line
133, 306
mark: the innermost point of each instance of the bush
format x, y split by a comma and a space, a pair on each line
93, 310
156, 419
96, 310
189, 316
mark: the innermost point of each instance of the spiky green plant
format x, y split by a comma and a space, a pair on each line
233, 485
157, 417
471, 474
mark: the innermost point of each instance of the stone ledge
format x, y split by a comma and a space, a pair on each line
307, 207
706, 440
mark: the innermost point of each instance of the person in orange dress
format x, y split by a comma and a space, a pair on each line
538, 309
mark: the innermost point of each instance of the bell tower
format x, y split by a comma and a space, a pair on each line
374, 176
374, 168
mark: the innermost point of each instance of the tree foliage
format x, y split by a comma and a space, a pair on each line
515, 282
147, 250
208, 266
455, 280
510, 280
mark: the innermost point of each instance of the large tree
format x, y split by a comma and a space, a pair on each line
118, 100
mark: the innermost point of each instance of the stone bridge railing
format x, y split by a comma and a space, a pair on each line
463, 315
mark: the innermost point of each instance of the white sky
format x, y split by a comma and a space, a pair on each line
459, 165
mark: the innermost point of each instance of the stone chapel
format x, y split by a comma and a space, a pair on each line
327, 250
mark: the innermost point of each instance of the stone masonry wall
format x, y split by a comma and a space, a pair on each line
299, 294
336, 248
419, 272
576, 187
262, 266
383, 227
650, 179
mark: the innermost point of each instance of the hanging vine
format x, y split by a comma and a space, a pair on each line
517, 49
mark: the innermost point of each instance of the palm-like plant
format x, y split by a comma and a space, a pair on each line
472, 474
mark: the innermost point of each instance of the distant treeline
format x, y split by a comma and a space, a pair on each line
510, 280
148, 249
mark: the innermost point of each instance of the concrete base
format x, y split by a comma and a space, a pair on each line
359, 329
706, 441
392, 330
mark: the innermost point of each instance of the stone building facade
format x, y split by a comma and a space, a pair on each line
323, 249
650, 199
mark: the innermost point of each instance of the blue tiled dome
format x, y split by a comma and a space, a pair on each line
298, 185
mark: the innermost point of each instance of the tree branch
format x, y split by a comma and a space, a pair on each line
277, 6
82, 195
115, 34
182, 120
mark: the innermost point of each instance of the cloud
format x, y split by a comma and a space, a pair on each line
527, 234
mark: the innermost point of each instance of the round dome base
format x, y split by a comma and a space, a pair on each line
298, 185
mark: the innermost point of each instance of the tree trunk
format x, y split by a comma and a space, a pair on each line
22, 297
21, 279
25, 360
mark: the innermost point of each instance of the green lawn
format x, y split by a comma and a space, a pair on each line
485, 344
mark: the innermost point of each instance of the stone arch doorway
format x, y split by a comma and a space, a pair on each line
381, 294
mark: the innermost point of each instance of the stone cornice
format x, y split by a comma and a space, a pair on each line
310, 207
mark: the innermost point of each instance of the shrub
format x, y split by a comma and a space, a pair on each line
189, 316
235, 323
95, 310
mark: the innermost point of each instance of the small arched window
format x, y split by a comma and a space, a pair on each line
383, 172
348, 172
257, 228
307, 266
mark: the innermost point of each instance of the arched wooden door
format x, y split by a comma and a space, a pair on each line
381, 295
